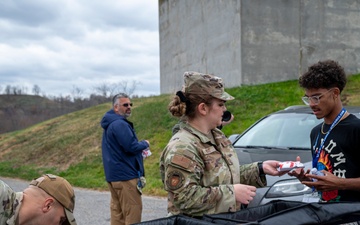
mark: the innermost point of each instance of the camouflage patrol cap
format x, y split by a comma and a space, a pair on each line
199, 83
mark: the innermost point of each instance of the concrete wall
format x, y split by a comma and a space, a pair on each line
330, 29
255, 41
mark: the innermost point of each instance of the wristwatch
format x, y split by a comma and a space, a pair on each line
261, 169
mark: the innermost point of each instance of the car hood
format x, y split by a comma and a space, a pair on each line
251, 154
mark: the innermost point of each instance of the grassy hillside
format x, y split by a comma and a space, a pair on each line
70, 145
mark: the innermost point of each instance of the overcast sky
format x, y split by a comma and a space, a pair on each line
62, 44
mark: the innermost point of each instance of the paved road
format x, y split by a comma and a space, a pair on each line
92, 207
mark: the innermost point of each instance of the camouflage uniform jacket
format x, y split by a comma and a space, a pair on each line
198, 173
10, 202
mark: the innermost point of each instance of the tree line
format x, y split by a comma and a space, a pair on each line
104, 89
19, 109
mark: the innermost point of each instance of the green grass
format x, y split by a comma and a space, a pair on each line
70, 145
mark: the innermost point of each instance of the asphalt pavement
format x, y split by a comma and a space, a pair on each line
92, 207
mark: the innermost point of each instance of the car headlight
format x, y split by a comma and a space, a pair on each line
286, 188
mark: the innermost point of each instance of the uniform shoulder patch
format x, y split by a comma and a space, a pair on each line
175, 180
181, 161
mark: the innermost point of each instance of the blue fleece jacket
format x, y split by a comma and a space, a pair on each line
121, 150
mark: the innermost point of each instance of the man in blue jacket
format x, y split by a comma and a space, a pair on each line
123, 162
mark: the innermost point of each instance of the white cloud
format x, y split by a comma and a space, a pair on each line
60, 44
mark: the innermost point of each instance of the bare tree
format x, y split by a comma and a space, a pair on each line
77, 92
104, 89
127, 88
8, 90
15, 90
36, 90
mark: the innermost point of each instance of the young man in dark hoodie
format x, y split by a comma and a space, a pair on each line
122, 154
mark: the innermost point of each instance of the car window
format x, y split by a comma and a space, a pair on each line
280, 130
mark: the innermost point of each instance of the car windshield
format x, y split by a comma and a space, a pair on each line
283, 130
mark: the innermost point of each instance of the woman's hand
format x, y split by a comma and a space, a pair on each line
244, 193
270, 168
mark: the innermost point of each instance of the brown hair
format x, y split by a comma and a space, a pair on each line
185, 104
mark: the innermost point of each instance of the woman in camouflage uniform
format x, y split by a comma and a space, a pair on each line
199, 167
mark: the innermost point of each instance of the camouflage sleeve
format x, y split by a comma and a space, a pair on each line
249, 174
183, 179
10, 204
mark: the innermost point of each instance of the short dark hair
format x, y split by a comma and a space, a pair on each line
117, 96
324, 74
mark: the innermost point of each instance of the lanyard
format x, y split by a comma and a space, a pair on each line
318, 151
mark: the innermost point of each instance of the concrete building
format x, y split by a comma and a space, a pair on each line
255, 41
